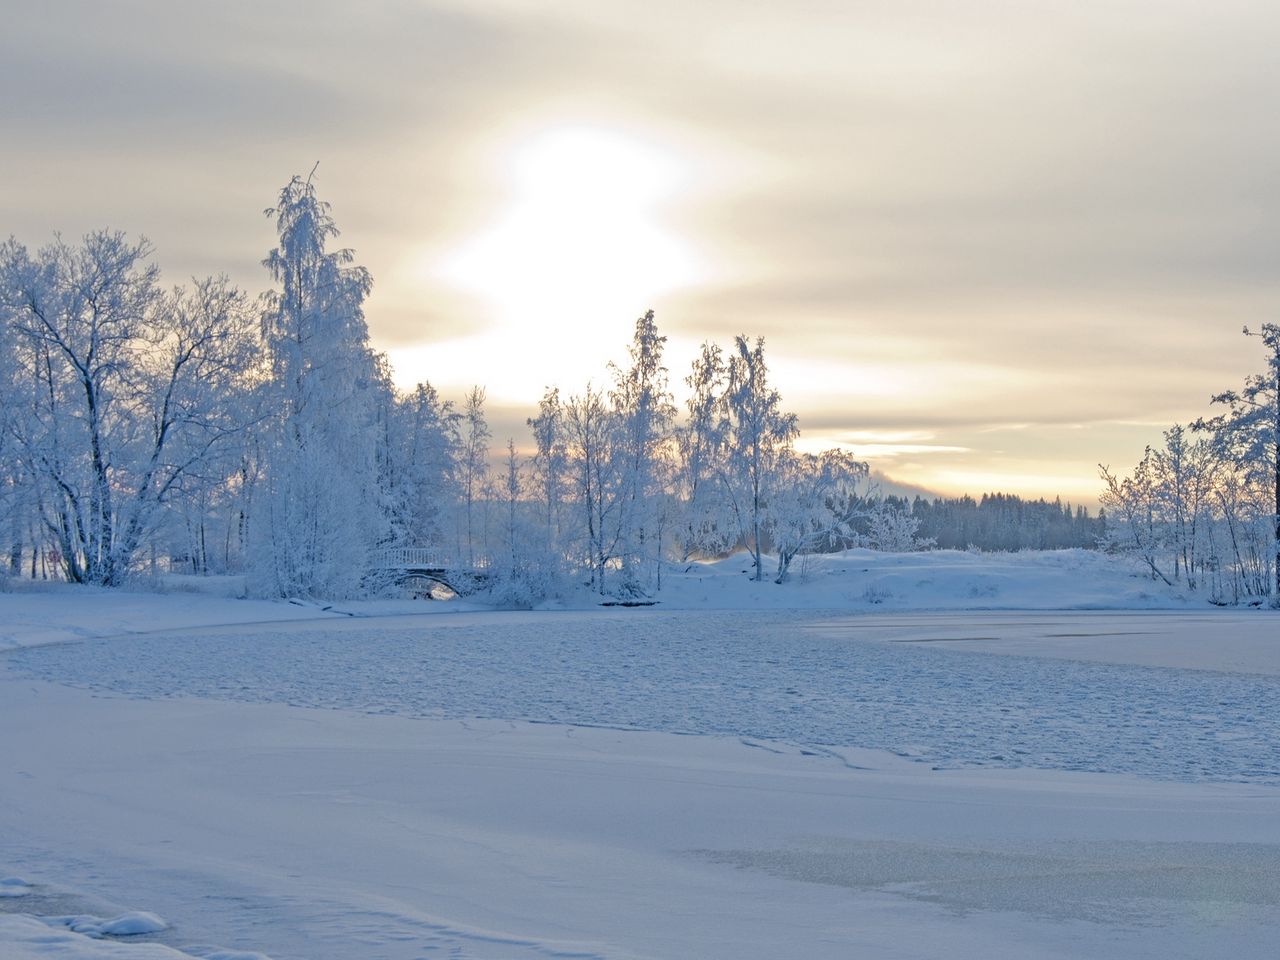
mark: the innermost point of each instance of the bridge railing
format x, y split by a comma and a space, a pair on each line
397, 557
422, 558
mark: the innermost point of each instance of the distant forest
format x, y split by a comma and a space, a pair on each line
1001, 521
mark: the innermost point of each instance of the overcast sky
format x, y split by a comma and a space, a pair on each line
989, 244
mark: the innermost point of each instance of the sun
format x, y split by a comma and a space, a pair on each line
577, 251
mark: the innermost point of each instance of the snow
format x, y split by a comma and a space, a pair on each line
1232, 641
130, 924
856, 580
868, 580
14, 887
33, 614
310, 785
386, 837
26, 938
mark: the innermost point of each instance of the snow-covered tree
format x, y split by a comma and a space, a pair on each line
1186, 471
706, 526
1206, 512
1244, 536
518, 574
812, 504
1193, 518
16, 487
1249, 431
323, 512
206, 503
893, 527
474, 466
123, 394
644, 414
1133, 503
758, 440
591, 440
550, 462
425, 448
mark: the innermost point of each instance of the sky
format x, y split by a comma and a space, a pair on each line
989, 244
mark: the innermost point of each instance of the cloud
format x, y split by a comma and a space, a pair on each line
971, 213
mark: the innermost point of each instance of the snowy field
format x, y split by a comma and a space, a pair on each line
235, 779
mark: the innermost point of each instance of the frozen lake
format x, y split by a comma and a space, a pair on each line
821, 681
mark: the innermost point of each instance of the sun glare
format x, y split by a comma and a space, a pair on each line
578, 252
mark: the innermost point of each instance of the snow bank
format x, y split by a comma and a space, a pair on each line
929, 580
855, 580
14, 887
131, 925
33, 614
126, 925
26, 938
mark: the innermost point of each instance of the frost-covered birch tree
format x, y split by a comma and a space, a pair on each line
323, 512
706, 526
16, 488
550, 463
1249, 430
474, 469
424, 487
123, 389
813, 503
1194, 518
519, 574
759, 438
591, 438
644, 414
1134, 505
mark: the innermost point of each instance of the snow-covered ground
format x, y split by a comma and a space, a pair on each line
858, 580
32, 614
932, 580
284, 781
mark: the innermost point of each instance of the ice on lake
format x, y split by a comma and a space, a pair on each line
803, 679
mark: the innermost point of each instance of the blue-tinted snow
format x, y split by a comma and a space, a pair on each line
752, 675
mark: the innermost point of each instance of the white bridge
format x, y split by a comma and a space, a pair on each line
403, 563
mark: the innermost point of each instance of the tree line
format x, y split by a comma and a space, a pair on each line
1003, 521
199, 428
202, 430
1202, 509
